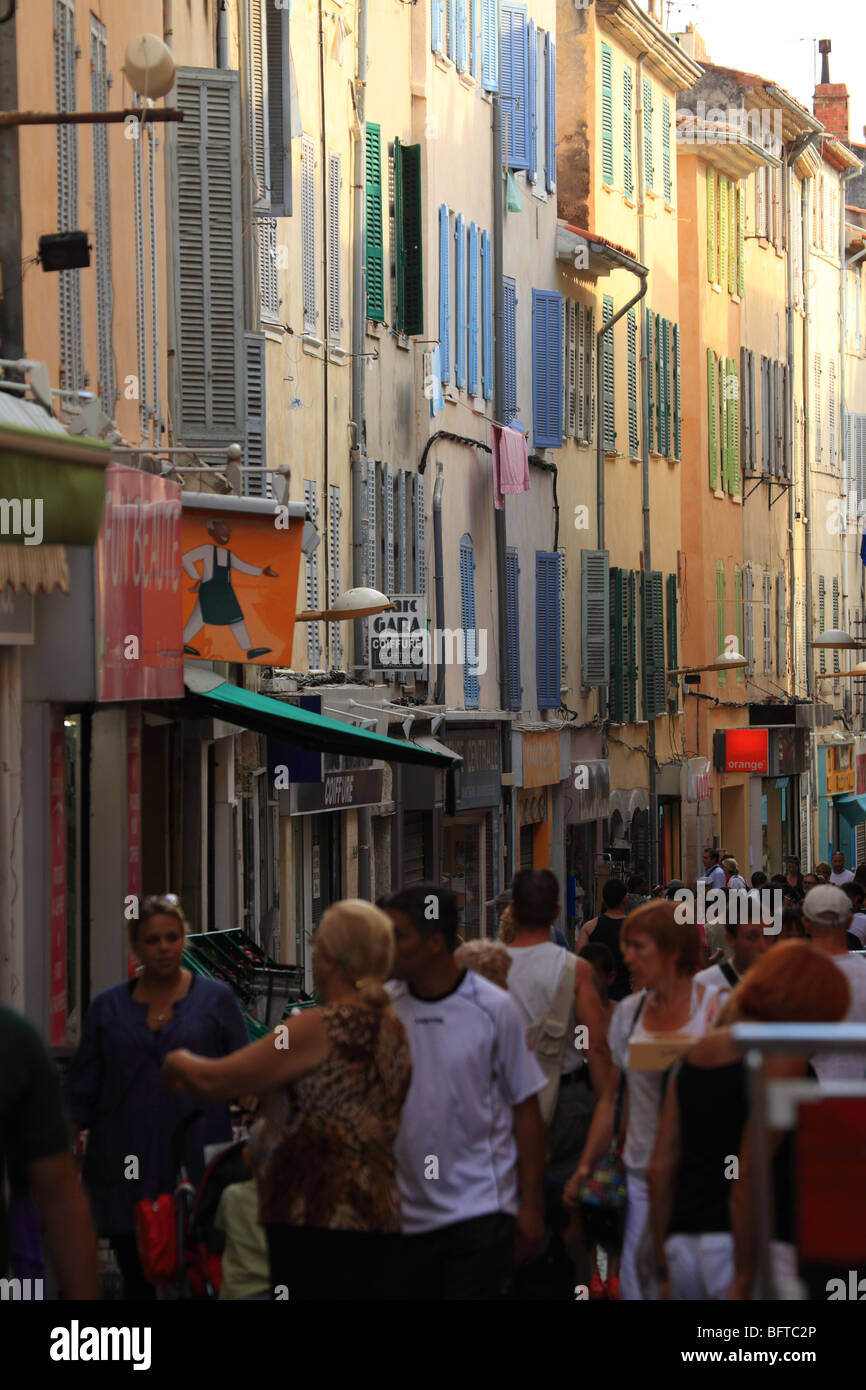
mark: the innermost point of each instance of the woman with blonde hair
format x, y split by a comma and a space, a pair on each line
328, 1191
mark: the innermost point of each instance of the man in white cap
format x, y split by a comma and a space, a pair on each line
827, 912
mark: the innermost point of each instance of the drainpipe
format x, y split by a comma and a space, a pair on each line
847, 700
499, 516
807, 461
326, 339
359, 401
223, 34
438, 581
645, 469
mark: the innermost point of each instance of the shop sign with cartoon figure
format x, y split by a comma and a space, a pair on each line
240, 585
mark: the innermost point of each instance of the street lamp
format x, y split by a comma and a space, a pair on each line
354, 603
836, 638
725, 661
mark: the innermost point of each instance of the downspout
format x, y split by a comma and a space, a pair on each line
843, 395
853, 260
807, 470
223, 34
438, 581
499, 516
645, 468
359, 400
326, 336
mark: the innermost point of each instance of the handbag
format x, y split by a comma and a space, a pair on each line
155, 1222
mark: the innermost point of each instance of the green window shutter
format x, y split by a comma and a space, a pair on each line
665, 371
723, 230
741, 240
652, 645
633, 437
594, 617
650, 340
678, 396
631, 650
627, 131
712, 420
661, 387
648, 132
618, 640
673, 684
375, 252
733, 395
738, 614
723, 421
407, 219
666, 149
712, 257
733, 234
606, 113
720, 616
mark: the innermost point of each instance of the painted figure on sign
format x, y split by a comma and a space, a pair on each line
218, 604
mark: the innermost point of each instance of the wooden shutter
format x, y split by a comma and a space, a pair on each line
509, 334
654, 679
618, 643
781, 626
665, 383
745, 414
738, 613
732, 238
102, 220
831, 410
436, 26
606, 113
818, 387
419, 522
311, 582
460, 305
724, 425
279, 66
724, 227
678, 396
514, 85
589, 374
257, 104
563, 651
712, 250
672, 682
837, 623
550, 122
512, 600
741, 239
308, 233
208, 269
609, 409
334, 259
269, 286
822, 623
487, 316
444, 293
627, 131
410, 270
335, 630
666, 149
767, 597
595, 617
547, 636
472, 346
532, 90
633, 437
572, 379
631, 651
489, 44
462, 46
712, 420
547, 369
649, 173
375, 243
733, 395
657, 367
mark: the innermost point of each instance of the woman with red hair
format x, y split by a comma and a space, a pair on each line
698, 1149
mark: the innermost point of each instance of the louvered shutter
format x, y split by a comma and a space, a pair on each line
402, 548
512, 600
606, 113
436, 25
269, 285
766, 415
532, 91
460, 328
582, 427
589, 373
672, 682
831, 410
733, 394
419, 522
779, 416
678, 395
570, 367
738, 610
666, 149
487, 316
472, 356
335, 630
745, 416
509, 333
724, 228
818, 387
308, 233
547, 640
311, 582
747, 622
371, 547
822, 621
631, 651
712, 250
489, 45
468, 620
660, 384
665, 377
563, 652
514, 85
69, 281
547, 369
410, 269
633, 438
654, 678
255, 431
732, 238
140, 284
279, 109
207, 261
335, 288
462, 57
609, 408
444, 293
712, 420
375, 244
724, 424
627, 131
761, 202
451, 28
618, 643
550, 123
781, 626
649, 321
837, 622
257, 104
102, 220
767, 598
741, 240
594, 617
649, 173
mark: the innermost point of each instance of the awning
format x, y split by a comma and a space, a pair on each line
853, 808
34, 567
41, 463
211, 697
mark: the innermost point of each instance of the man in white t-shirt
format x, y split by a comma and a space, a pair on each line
827, 914
747, 943
470, 1149
840, 874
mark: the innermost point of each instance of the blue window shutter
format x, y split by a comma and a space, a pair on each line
547, 634
452, 30
462, 45
550, 69
607, 113
468, 620
460, 272
472, 363
533, 100
444, 295
509, 347
489, 45
514, 86
436, 25
547, 369
487, 316
512, 599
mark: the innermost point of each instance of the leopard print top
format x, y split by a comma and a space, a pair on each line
332, 1162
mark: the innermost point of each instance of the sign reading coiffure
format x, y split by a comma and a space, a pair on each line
138, 588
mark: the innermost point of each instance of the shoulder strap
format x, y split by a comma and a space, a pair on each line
548, 1036
729, 973
620, 1096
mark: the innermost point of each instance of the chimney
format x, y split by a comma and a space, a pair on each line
831, 99
653, 10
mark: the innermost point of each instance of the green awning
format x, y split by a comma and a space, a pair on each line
302, 727
853, 808
63, 473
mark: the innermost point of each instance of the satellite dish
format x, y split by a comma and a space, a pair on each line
149, 66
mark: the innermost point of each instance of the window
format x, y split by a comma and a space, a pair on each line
822, 623
720, 617
594, 617
407, 227
444, 292
649, 173
335, 289
761, 200
487, 316
627, 131
666, 150
375, 244
739, 583
672, 682
489, 44
623, 630
606, 114
817, 392
781, 627
547, 633
509, 350
311, 582
607, 368
837, 622
547, 368
578, 370
766, 605
712, 419
468, 623
664, 369
712, 247
550, 114
335, 630
255, 433
308, 233
653, 676
633, 437
512, 598
831, 411
279, 75
514, 86
472, 345
723, 423
460, 302
269, 289
747, 411
102, 219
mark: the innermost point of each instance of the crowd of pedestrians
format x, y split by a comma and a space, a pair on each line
452, 1120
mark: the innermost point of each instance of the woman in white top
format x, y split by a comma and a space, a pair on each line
662, 955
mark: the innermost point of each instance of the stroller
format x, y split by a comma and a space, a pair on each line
199, 1245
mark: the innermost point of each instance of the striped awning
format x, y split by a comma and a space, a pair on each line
33, 568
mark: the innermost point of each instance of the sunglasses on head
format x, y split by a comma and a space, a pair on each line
169, 902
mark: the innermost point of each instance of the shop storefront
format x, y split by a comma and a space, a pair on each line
838, 806
537, 758
471, 849
760, 774
587, 807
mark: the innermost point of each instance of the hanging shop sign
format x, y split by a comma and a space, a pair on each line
138, 588
532, 809
698, 779
540, 759
478, 781
587, 798
240, 579
399, 639
741, 750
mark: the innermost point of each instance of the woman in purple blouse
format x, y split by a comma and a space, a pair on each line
114, 1089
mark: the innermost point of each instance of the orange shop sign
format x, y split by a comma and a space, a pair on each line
240, 558
746, 750
540, 759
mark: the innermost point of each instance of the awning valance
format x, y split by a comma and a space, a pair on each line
853, 808
52, 485
210, 697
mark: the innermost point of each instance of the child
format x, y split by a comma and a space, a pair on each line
246, 1271
604, 974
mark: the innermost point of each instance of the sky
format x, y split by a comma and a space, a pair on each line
777, 39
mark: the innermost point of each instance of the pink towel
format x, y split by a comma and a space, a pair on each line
510, 463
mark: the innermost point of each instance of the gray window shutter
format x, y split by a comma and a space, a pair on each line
209, 406
269, 287
314, 633
102, 220
69, 281
278, 45
255, 434
402, 532
767, 620
335, 513
653, 673
580, 421
419, 518
308, 233
257, 103
563, 650
335, 320
371, 547
388, 568
748, 618
831, 410
816, 408
781, 626
595, 617
590, 376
